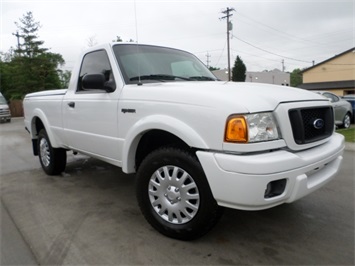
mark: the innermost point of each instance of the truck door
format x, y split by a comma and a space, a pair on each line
90, 116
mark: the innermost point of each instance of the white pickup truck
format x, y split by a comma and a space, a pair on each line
196, 144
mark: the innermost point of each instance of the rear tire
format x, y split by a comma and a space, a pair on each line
347, 121
53, 160
174, 195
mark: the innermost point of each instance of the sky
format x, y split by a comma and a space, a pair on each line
264, 33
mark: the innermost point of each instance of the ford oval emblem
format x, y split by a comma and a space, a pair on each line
318, 123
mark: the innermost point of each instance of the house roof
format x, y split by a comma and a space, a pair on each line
329, 59
328, 85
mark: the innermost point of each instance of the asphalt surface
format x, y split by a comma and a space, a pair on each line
89, 216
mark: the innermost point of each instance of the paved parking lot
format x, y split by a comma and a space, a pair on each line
89, 216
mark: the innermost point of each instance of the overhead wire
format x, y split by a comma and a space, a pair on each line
285, 34
221, 53
293, 37
261, 49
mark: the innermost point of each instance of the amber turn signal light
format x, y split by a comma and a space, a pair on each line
236, 129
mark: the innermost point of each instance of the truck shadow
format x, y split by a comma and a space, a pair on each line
89, 215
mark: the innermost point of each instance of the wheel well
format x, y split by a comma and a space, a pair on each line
38, 125
155, 139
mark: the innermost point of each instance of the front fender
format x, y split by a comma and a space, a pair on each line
157, 122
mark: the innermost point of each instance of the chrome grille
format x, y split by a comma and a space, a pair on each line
4, 111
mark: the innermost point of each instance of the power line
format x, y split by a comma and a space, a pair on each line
290, 58
221, 53
285, 34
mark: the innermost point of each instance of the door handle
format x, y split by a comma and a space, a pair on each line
71, 104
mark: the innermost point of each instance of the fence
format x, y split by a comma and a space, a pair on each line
16, 108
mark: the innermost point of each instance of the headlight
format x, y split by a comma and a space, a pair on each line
251, 128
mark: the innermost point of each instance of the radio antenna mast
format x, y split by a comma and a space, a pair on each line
138, 61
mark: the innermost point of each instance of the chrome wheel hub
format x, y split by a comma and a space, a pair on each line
174, 194
44, 152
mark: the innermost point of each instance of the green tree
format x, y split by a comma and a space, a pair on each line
119, 39
239, 70
3, 77
296, 77
64, 78
31, 67
211, 68
28, 29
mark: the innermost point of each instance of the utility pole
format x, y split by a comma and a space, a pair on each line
18, 39
208, 59
283, 65
229, 27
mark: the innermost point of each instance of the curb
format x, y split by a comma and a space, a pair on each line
349, 146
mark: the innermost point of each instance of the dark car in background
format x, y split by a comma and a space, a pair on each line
343, 112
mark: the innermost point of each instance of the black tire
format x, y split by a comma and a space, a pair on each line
184, 200
53, 160
347, 121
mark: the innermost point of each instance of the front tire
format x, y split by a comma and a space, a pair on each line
174, 195
53, 160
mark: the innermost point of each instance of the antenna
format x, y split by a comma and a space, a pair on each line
138, 61
135, 18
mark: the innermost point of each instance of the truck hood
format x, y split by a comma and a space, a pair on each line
235, 97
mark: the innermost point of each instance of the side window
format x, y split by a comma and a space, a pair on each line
96, 63
333, 98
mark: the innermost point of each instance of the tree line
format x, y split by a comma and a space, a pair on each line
30, 67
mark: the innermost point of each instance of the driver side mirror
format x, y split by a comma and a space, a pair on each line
97, 82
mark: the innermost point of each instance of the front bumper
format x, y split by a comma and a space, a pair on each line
5, 117
240, 181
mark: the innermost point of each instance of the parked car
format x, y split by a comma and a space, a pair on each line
5, 114
343, 111
351, 99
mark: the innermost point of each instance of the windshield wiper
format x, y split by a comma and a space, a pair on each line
159, 77
202, 78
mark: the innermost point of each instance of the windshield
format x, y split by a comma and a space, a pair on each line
2, 100
159, 64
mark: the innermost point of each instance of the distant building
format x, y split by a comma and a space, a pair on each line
336, 74
271, 77
275, 76
221, 74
